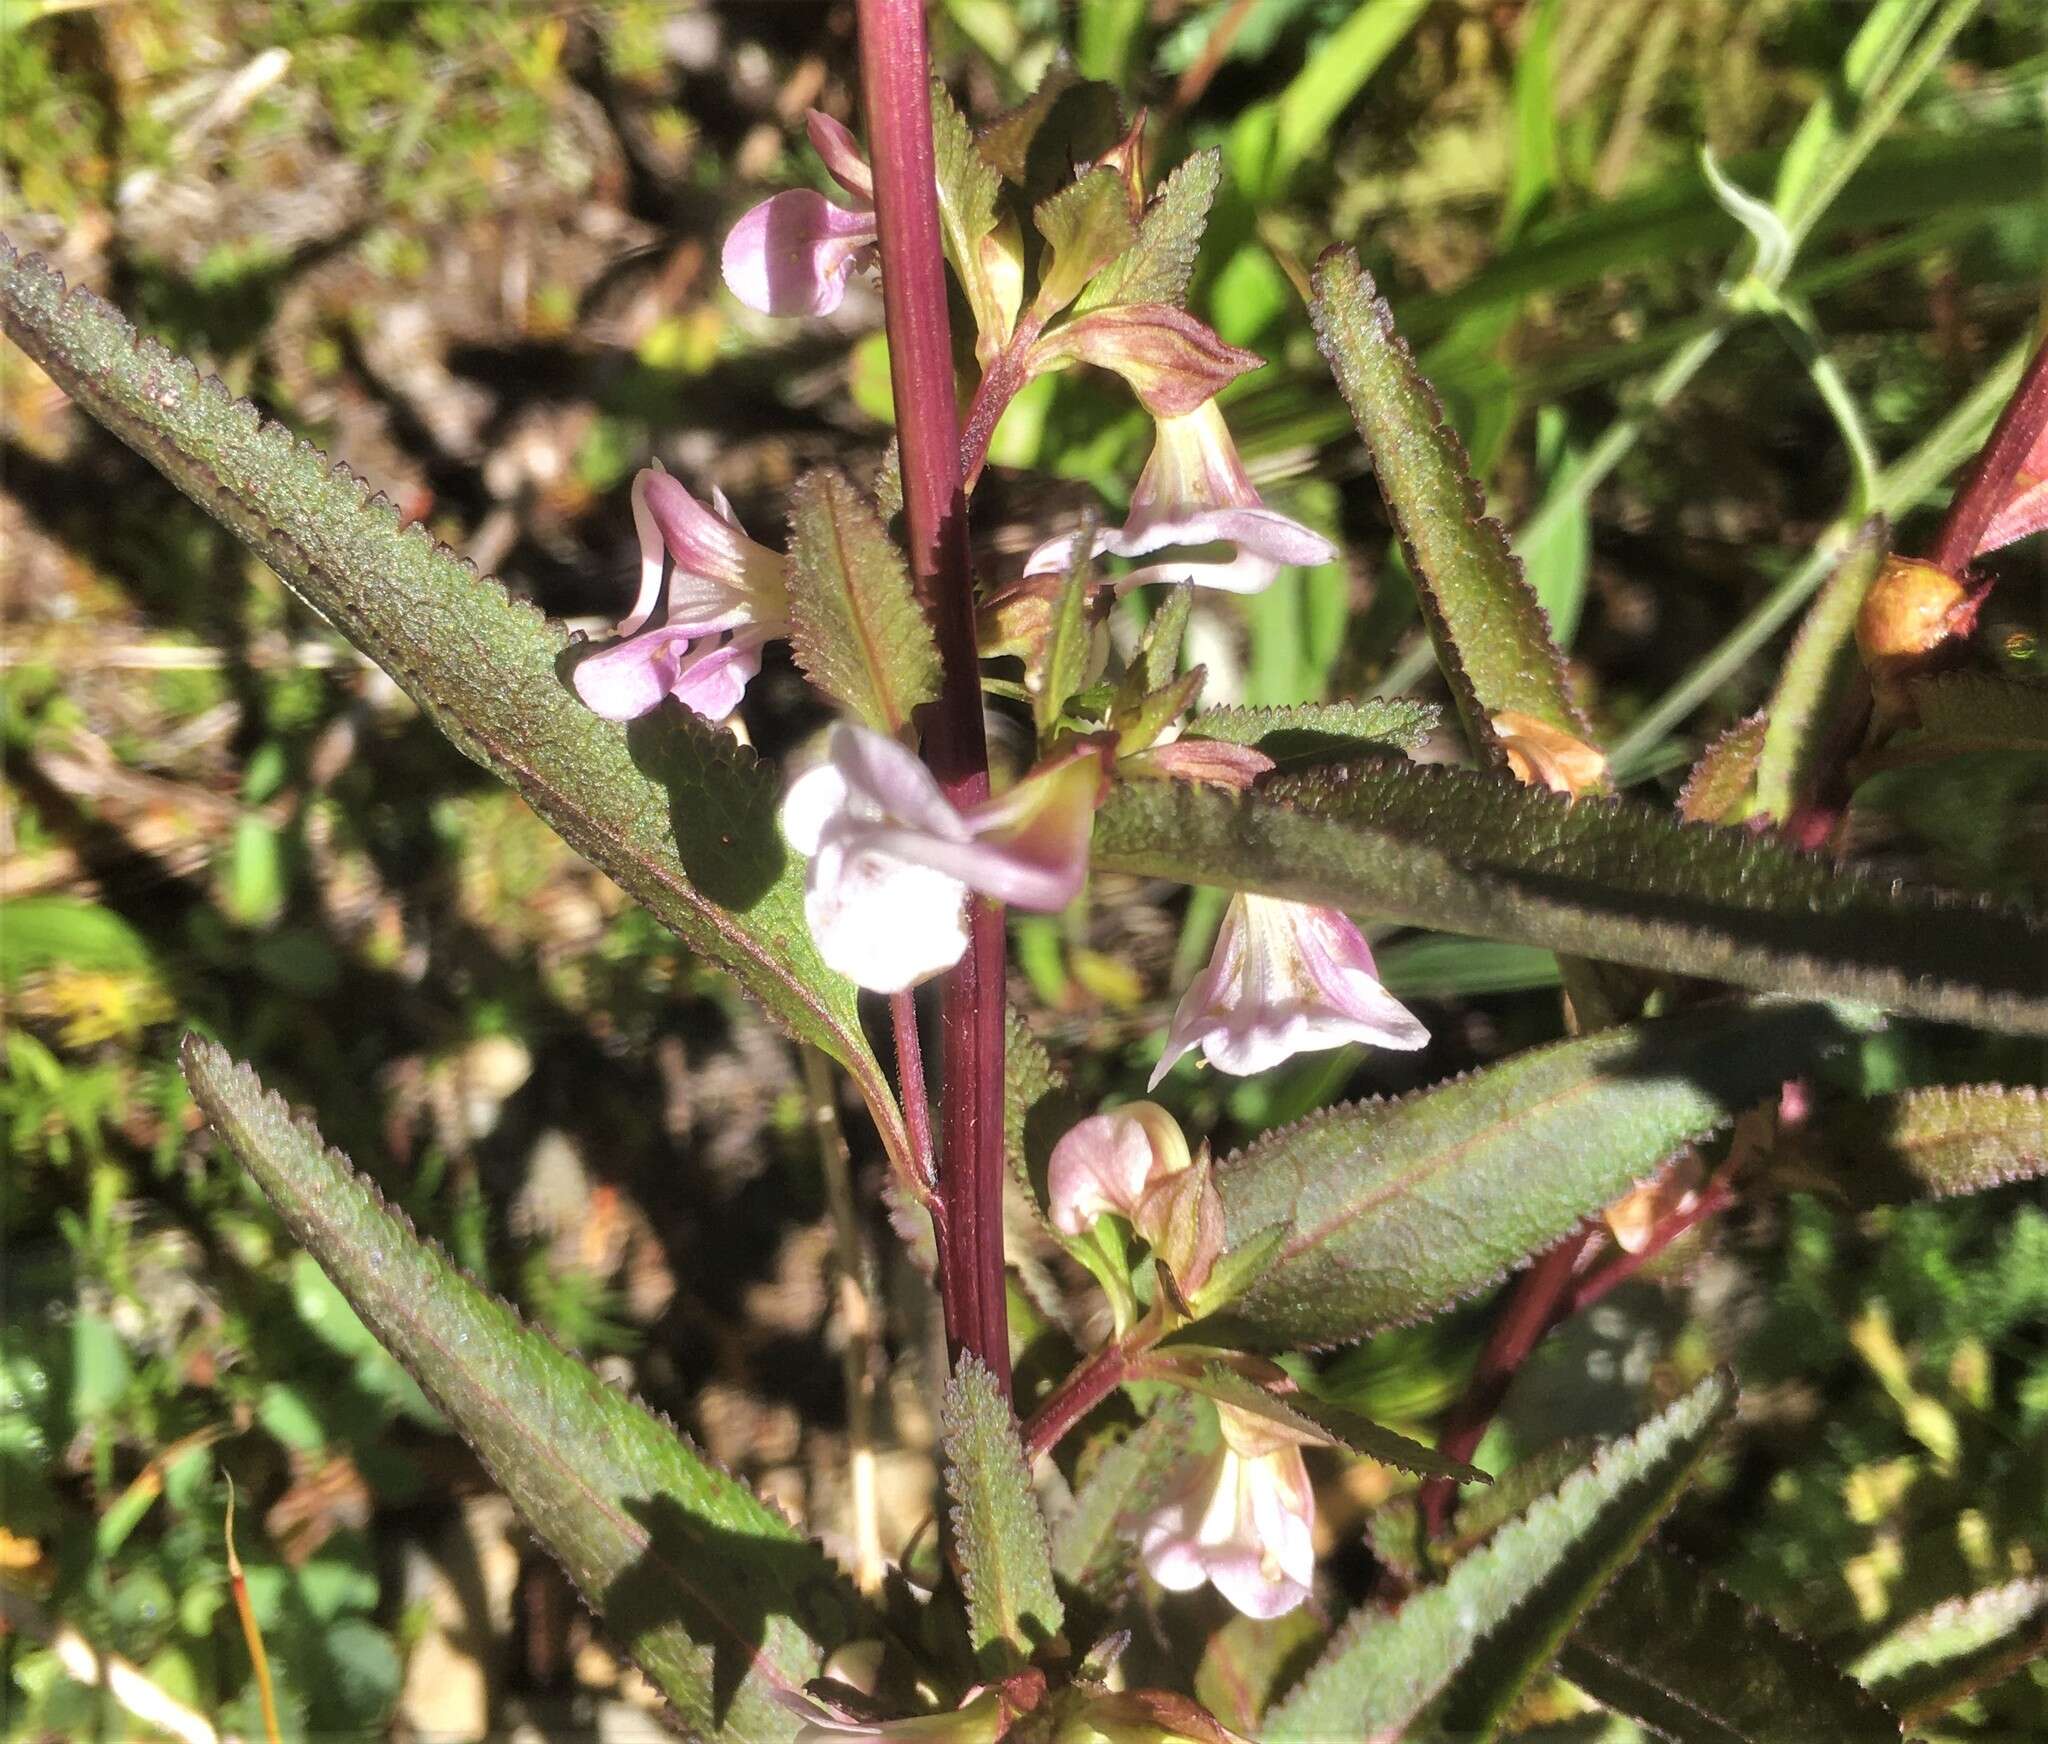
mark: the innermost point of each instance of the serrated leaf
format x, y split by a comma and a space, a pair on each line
1159, 651
1491, 636
1086, 225
1160, 263
673, 810
1976, 711
967, 188
1819, 668
1323, 1420
1718, 789
1937, 1143
1470, 1644
724, 1605
1672, 1648
998, 1531
1064, 668
1396, 1210
1933, 1661
1092, 1549
1068, 121
856, 627
1613, 879
1038, 1107
1299, 733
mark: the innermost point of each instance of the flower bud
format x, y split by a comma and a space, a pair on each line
1109, 1162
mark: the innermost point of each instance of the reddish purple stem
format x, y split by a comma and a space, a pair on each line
896, 95
1988, 484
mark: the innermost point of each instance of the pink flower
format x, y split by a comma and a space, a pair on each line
1194, 491
892, 861
1243, 1520
793, 253
1107, 1162
1285, 978
727, 599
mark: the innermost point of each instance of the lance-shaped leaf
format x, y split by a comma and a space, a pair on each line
716, 1596
998, 1531
1470, 853
1818, 671
674, 811
856, 627
1671, 1647
1158, 266
967, 187
1718, 789
1936, 1143
1943, 1656
1086, 225
1093, 1547
1491, 635
1062, 666
1396, 1210
1320, 732
1469, 1645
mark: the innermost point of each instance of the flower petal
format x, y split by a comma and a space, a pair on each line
793, 253
626, 680
886, 782
882, 923
721, 577
714, 680
842, 155
1106, 1162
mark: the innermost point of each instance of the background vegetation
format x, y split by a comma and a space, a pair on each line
471, 249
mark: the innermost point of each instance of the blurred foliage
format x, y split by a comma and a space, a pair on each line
470, 245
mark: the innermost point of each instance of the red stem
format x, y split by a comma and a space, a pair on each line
896, 96
992, 397
1536, 1305
917, 1107
1075, 1397
1989, 481
1714, 1198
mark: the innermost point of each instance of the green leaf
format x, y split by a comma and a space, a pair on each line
1160, 263
1250, 1660
1159, 651
673, 810
716, 1596
1671, 1647
1091, 1544
1491, 636
1718, 789
1398, 1209
1937, 1143
856, 627
1038, 1108
1323, 1420
1471, 853
1086, 225
1497, 1619
967, 187
1317, 732
1064, 665
1066, 122
44, 932
1943, 1656
1817, 673
1975, 711
998, 1530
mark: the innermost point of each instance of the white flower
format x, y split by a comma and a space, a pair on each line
1195, 491
892, 861
1243, 1521
727, 599
1285, 978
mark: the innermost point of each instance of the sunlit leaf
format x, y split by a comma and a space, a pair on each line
1931, 1662
717, 1597
1086, 225
1939, 1142
1319, 731
1091, 1543
1158, 265
1450, 1660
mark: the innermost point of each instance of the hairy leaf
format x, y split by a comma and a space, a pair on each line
1671, 1647
1038, 1108
1474, 854
1818, 671
1939, 1658
1398, 1209
1319, 1420
673, 810
1158, 266
1086, 225
1319, 731
967, 186
1092, 1545
1937, 1143
856, 627
998, 1530
1064, 664
1470, 1644
1491, 636
1718, 789
716, 1596
1250, 1660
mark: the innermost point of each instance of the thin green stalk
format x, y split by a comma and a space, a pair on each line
1898, 488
